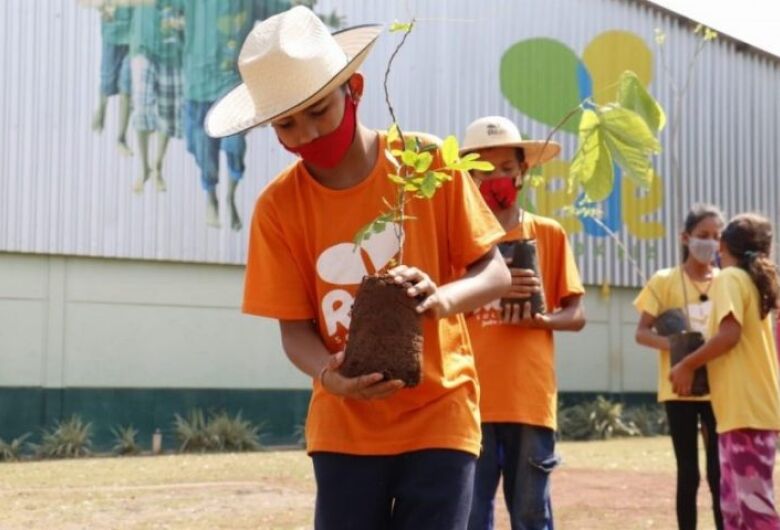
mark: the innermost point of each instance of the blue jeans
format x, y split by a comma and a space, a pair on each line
525, 456
206, 149
429, 489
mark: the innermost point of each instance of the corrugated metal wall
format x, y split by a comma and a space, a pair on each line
64, 189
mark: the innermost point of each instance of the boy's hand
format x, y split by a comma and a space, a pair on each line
524, 283
421, 285
519, 314
682, 379
363, 387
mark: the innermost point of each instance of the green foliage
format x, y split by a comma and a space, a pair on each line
125, 443
650, 420
233, 433
12, 451
623, 132
71, 438
633, 95
220, 432
191, 432
299, 434
599, 419
419, 173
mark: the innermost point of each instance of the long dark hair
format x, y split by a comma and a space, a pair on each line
697, 214
748, 237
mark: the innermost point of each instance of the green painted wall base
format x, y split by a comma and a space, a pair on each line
29, 409
281, 412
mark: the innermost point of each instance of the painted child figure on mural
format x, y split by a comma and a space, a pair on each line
115, 69
384, 456
214, 31
742, 368
514, 351
674, 288
156, 44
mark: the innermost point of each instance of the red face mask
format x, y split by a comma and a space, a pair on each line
327, 151
499, 193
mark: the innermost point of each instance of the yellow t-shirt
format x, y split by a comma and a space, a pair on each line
743, 382
665, 291
516, 366
302, 264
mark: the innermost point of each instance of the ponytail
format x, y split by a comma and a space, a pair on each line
748, 237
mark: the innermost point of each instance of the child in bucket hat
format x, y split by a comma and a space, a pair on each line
383, 455
514, 347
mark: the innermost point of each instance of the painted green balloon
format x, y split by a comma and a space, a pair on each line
540, 78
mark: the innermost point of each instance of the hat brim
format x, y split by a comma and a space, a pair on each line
236, 111
536, 152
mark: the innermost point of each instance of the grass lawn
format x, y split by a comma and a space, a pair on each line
618, 484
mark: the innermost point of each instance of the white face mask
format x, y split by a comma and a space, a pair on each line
703, 250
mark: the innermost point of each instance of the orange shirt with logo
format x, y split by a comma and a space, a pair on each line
302, 264
516, 365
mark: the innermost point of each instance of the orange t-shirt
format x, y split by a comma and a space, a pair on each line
516, 366
302, 264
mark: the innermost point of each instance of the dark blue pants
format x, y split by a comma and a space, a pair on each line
428, 490
525, 456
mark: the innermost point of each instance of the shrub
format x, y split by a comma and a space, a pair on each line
233, 433
125, 440
71, 438
649, 419
12, 451
599, 419
220, 432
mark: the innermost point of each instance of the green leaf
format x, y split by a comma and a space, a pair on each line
630, 142
627, 126
392, 134
449, 150
429, 148
423, 162
404, 27
442, 177
391, 158
583, 165
409, 158
396, 179
378, 227
468, 165
428, 186
602, 181
633, 95
412, 143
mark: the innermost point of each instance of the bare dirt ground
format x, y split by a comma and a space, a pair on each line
620, 484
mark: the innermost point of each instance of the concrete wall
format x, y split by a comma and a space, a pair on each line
84, 322
122, 341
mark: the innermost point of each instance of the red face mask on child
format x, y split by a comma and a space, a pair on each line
499, 193
327, 151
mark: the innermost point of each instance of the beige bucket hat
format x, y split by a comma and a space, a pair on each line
497, 131
287, 63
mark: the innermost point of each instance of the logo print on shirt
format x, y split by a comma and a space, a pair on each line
344, 264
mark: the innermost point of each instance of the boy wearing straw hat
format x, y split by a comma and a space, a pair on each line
514, 349
384, 456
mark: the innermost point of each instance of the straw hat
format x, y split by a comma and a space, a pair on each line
287, 63
497, 131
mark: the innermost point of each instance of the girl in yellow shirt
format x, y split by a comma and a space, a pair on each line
742, 363
673, 288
